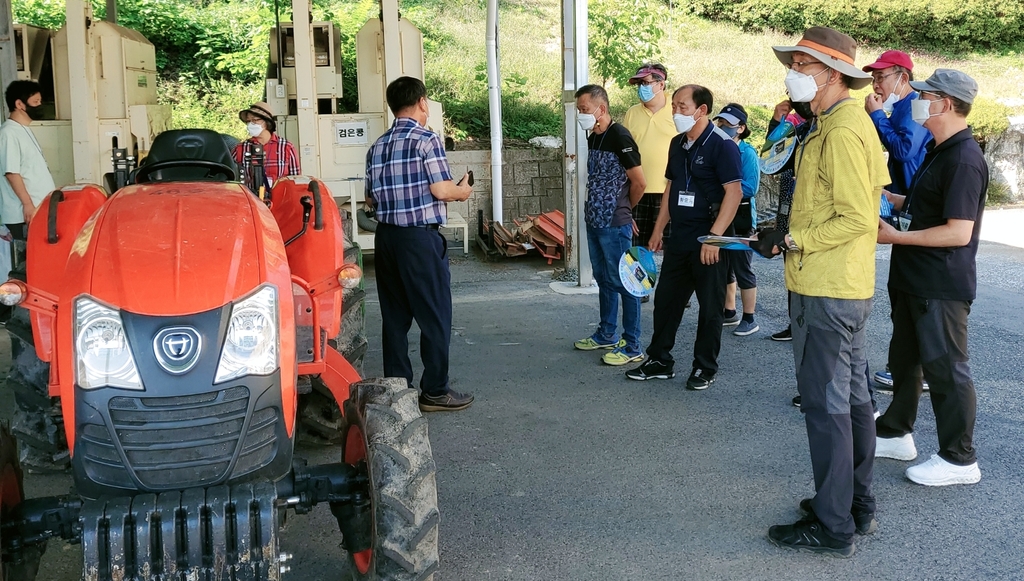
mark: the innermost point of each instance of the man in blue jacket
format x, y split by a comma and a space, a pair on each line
889, 109
904, 139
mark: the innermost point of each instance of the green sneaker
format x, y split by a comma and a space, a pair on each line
590, 344
620, 356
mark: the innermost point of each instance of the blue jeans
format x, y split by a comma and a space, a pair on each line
607, 245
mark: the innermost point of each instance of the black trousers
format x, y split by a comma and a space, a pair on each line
682, 275
929, 337
413, 282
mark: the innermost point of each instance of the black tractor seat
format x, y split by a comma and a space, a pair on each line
183, 155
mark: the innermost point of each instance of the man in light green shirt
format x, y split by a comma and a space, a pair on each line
27, 180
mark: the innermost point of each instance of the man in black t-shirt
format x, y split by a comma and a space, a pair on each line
932, 282
615, 183
704, 175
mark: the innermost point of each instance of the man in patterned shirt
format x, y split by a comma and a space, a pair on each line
615, 183
409, 183
279, 157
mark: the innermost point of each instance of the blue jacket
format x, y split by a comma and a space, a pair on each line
904, 139
751, 176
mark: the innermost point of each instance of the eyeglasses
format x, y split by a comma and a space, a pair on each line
649, 83
938, 96
803, 64
879, 78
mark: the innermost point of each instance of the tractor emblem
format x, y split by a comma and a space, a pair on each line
177, 349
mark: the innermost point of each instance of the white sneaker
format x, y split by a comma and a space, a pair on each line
901, 448
938, 472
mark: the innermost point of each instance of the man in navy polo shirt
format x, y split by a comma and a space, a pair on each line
932, 282
704, 174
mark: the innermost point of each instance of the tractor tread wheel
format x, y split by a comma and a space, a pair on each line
403, 479
37, 420
25, 565
320, 420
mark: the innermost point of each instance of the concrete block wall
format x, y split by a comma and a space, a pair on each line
531, 182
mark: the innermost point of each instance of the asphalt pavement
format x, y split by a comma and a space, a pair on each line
563, 469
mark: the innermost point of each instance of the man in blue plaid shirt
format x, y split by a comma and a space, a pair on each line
409, 183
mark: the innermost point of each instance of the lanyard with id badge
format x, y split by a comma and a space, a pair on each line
903, 218
687, 198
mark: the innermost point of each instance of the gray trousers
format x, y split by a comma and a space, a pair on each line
831, 375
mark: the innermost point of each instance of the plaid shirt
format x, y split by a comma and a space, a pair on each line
279, 159
400, 166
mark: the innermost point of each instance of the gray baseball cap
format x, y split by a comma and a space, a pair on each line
950, 82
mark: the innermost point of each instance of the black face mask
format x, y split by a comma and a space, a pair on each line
35, 113
802, 109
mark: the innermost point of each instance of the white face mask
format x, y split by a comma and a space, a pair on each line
586, 121
801, 88
684, 123
921, 110
891, 100
254, 129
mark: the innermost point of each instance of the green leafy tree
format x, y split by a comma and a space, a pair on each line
623, 34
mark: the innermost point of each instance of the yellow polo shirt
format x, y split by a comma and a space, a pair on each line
653, 133
840, 172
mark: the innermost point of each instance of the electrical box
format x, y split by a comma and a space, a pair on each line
122, 65
125, 69
326, 66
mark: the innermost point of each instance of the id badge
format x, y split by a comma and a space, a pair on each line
686, 199
903, 221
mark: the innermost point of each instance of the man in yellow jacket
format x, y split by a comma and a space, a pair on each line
830, 270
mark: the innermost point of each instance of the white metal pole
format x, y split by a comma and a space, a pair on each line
494, 103
84, 111
8, 57
575, 74
305, 91
392, 41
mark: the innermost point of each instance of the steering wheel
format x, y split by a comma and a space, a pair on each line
212, 168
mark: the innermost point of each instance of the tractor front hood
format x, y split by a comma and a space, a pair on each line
174, 248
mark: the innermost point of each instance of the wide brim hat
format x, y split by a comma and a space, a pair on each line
833, 48
261, 110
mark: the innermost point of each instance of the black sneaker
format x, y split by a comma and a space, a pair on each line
451, 401
864, 521
784, 335
651, 369
796, 401
700, 380
809, 535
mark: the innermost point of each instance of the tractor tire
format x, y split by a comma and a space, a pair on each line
38, 420
23, 566
385, 429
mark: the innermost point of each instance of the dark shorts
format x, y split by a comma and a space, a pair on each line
740, 271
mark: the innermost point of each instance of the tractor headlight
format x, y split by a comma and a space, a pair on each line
251, 345
103, 357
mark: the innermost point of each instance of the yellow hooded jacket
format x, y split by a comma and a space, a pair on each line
840, 173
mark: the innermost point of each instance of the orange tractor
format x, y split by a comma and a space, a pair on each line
192, 330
